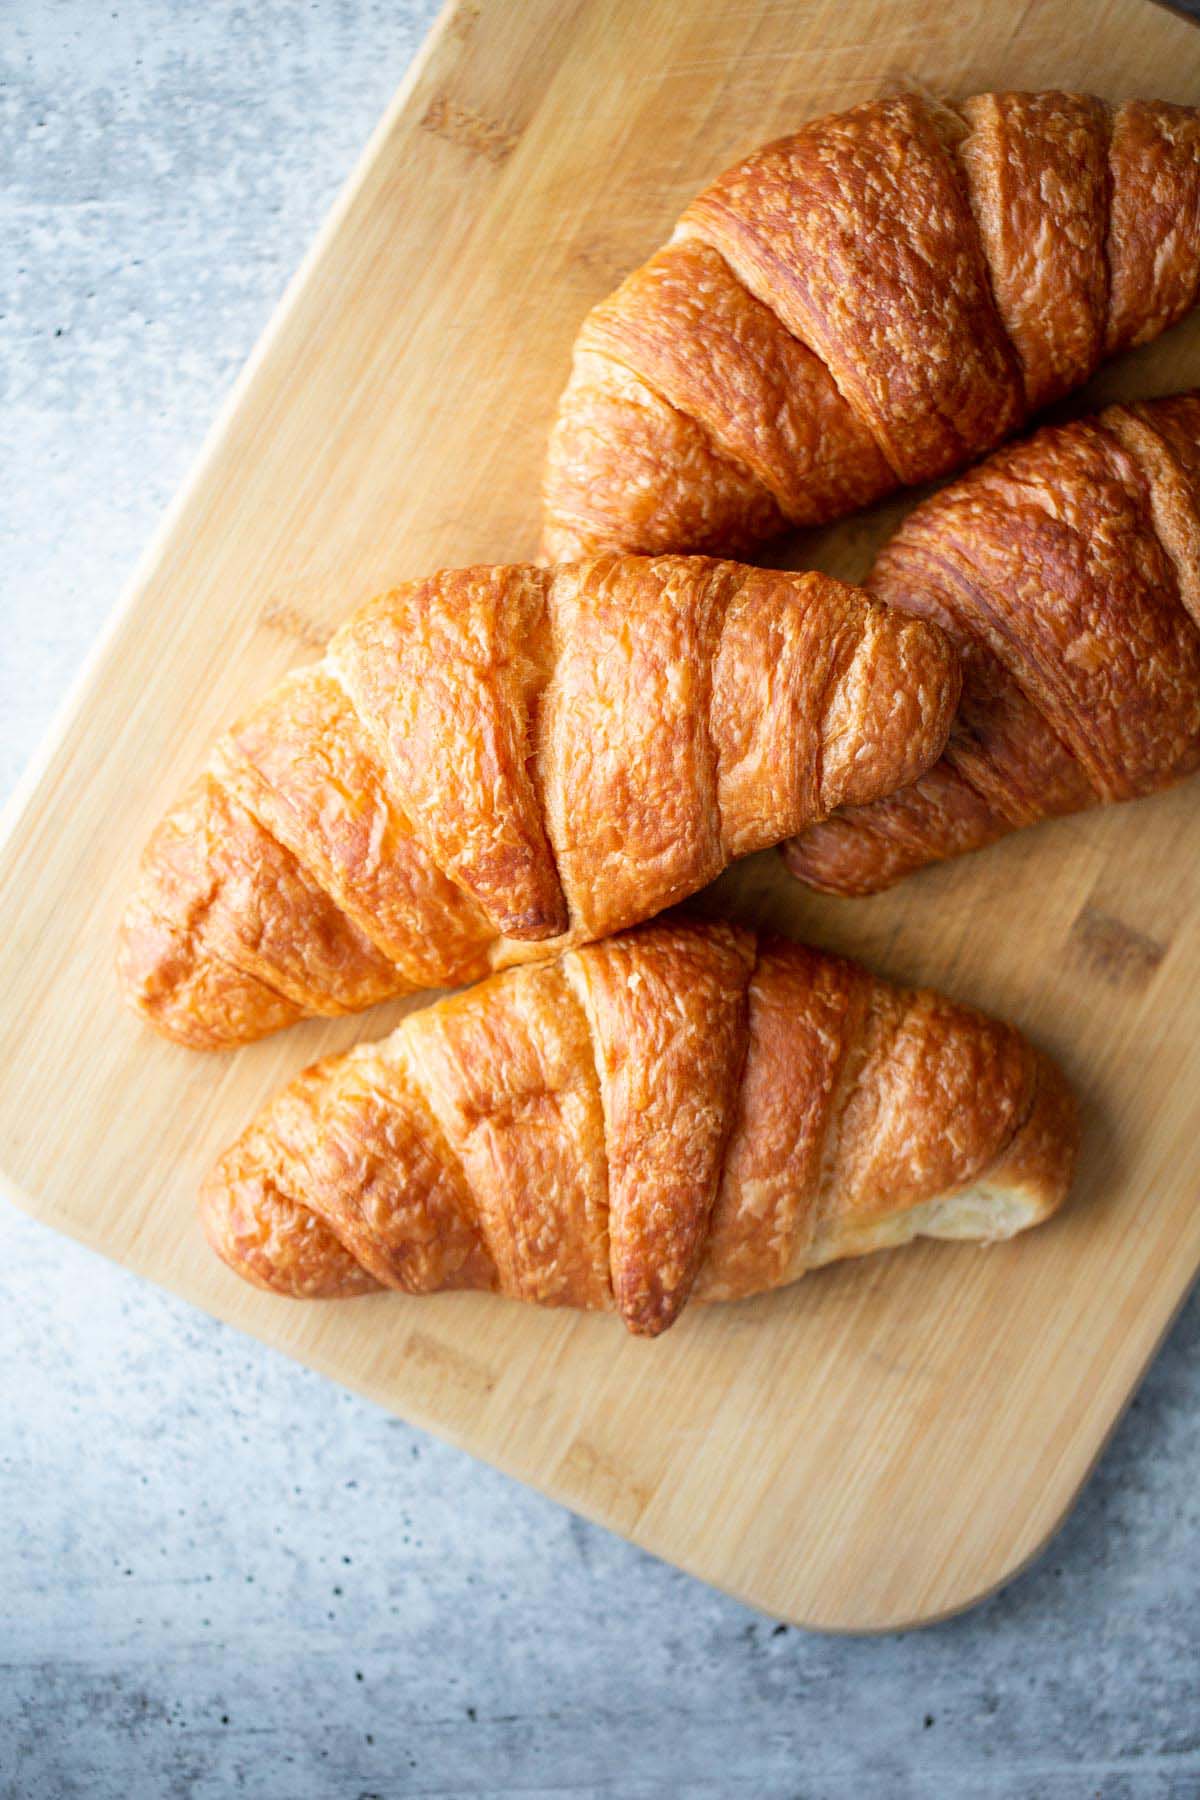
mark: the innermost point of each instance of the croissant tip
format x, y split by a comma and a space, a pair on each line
647, 1307
149, 959
162, 980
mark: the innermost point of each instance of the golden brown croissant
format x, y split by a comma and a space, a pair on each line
679, 1109
871, 302
496, 763
1066, 569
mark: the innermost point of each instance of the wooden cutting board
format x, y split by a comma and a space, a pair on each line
886, 1441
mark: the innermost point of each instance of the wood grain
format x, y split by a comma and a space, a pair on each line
886, 1441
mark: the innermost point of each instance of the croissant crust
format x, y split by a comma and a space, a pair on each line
1066, 570
875, 300
682, 1110
497, 763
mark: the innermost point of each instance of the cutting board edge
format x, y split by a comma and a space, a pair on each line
75, 702
977, 1590
144, 569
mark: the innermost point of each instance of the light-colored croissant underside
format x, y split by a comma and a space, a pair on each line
679, 1109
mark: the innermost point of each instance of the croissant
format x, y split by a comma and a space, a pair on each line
681, 1109
497, 763
871, 302
1066, 570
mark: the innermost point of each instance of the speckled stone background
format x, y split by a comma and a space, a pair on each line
218, 1574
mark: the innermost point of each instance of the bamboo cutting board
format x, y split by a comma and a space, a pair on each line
886, 1441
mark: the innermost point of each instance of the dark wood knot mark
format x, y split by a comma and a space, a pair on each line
605, 1483
277, 615
602, 257
460, 1370
464, 19
470, 130
1113, 950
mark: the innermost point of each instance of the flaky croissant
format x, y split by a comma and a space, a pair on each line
871, 302
496, 763
1066, 570
682, 1109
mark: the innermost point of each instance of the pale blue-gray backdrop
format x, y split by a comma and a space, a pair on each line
219, 1574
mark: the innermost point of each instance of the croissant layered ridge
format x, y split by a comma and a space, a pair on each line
871, 302
497, 763
1066, 569
681, 1111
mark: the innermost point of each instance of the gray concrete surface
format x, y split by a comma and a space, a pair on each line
218, 1574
